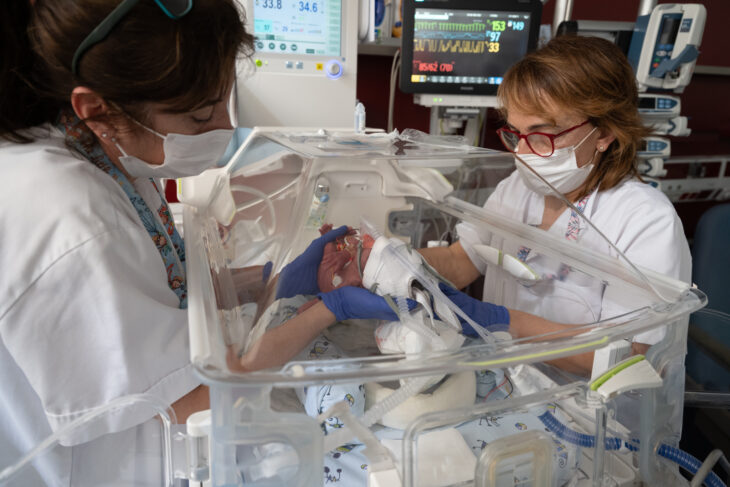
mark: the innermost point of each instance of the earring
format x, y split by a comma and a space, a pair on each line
104, 135
600, 148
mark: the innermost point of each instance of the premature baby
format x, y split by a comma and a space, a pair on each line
343, 260
358, 259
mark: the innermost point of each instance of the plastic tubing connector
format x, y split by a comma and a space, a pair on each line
681, 458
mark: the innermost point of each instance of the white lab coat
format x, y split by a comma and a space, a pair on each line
86, 316
634, 216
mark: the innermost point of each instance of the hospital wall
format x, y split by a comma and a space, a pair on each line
706, 101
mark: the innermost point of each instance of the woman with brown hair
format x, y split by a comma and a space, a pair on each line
571, 111
98, 99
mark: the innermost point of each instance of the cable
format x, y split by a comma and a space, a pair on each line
474, 197
689, 463
511, 387
447, 231
707, 467
504, 381
448, 219
436, 227
571, 436
394, 69
480, 123
682, 458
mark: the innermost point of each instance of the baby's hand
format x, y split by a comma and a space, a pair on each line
328, 226
325, 228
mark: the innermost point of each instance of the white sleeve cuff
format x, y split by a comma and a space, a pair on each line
469, 237
164, 392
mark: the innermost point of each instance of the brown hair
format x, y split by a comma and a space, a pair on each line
147, 57
590, 76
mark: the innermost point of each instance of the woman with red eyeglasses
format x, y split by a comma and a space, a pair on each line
571, 114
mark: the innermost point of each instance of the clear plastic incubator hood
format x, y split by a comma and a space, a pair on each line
417, 402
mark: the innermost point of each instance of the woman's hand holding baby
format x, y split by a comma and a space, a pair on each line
350, 302
300, 275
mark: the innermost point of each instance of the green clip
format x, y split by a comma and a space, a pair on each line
596, 384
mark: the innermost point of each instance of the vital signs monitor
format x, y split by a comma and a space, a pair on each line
465, 46
301, 47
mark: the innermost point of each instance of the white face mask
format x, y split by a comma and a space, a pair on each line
560, 169
185, 155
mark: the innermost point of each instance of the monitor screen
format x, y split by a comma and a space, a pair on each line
669, 28
298, 27
646, 102
463, 50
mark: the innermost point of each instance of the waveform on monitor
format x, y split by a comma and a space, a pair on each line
449, 26
454, 46
474, 36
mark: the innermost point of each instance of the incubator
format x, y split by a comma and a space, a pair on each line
435, 407
434, 398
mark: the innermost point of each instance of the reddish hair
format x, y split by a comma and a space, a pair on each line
590, 76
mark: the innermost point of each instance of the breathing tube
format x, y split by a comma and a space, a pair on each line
571, 436
681, 458
689, 463
408, 388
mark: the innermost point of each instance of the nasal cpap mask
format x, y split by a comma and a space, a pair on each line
395, 270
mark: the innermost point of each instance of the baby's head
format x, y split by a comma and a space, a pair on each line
339, 261
389, 267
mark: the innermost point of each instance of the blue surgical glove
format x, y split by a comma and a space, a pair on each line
490, 316
300, 275
350, 302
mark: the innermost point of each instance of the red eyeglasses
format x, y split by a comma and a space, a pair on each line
539, 143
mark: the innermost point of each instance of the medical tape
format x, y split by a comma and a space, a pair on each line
418, 326
411, 323
437, 294
429, 309
404, 317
